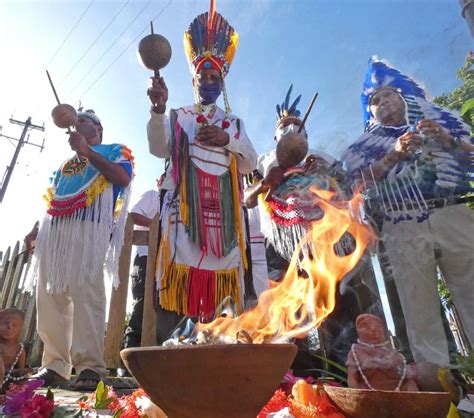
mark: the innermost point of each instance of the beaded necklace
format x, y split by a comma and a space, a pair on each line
364, 377
8, 375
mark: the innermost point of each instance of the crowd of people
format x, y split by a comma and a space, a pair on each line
217, 240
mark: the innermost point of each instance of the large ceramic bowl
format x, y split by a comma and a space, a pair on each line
210, 381
365, 403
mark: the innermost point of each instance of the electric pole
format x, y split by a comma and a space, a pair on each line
8, 173
468, 13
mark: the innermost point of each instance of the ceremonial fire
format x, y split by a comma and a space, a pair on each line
306, 295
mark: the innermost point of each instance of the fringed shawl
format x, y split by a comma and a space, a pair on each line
78, 197
435, 173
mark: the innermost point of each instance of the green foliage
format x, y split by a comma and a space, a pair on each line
467, 113
465, 365
102, 401
455, 99
444, 293
336, 365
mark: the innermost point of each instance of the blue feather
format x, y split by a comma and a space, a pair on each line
287, 98
292, 109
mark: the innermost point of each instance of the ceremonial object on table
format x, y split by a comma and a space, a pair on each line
210, 381
154, 52
367, 403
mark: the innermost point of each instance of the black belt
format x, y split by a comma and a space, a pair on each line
433, 203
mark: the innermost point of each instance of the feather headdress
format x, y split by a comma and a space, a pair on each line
286, 110
210, 42
381, 74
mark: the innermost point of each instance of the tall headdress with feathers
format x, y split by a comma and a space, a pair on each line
211, 42
381, 74
285, 110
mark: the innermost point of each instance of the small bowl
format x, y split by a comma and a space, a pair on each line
366, 403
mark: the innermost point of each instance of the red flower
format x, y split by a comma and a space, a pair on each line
201, 119
37, 407
225, 124
278, 401
127, 407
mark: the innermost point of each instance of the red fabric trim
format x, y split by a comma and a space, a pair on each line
201, 293
216, 63
68, 202
67, 206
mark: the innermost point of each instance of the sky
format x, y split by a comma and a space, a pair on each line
89, 47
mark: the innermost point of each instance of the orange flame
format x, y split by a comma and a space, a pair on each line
307, 294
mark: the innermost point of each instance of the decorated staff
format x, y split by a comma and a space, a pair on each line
202, 253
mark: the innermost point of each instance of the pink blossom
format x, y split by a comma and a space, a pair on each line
37, 407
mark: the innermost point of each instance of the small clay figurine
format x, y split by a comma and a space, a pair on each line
12, 353
373, 363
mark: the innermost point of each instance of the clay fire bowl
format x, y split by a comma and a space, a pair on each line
365, 403
210, 381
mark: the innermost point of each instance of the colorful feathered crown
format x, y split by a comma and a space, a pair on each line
285, 110
210, 42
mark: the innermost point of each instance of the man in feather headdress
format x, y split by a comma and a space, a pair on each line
291, 187
201, 256
414, 158
82, 231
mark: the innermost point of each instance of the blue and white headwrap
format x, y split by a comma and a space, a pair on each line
442, 173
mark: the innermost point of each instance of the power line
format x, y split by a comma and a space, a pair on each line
94, 42
27, 125
70, 33
110, 47
125, 50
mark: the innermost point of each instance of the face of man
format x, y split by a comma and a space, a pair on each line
209, 83
387, 107
91, 131
287, 125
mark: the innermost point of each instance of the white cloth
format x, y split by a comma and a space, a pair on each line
212, 160
159, 134
411, 248
72, 324
147, 205
257, 246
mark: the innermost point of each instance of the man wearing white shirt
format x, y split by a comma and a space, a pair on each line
143, 212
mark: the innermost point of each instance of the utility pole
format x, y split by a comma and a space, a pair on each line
468, 13
8, 173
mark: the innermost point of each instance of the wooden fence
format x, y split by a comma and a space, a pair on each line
15, 266
14, 269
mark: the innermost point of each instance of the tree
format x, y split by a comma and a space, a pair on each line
462, 97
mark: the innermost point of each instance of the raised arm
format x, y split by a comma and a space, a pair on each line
158, 125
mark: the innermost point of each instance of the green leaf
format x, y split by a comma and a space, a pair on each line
50, 395
99, 391
337, 376
331, 362
118, 413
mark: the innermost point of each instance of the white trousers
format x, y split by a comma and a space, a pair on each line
72, 324
411, 248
